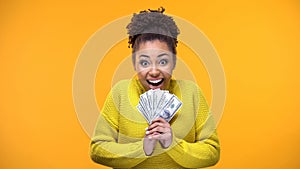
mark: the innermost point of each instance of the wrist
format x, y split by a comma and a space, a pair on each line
148, 146
166, 142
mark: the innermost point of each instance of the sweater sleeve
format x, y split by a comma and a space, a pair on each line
205, 150
104, 147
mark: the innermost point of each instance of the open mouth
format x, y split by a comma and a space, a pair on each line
155, 82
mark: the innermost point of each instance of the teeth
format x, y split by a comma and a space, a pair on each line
155, 81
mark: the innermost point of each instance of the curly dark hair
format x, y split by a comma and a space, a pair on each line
149, 25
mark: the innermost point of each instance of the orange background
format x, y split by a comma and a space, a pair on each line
258, 43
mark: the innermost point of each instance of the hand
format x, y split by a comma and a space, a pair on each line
160, 130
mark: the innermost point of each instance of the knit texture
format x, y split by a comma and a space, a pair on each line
120, 130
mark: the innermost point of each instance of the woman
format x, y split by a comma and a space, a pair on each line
120, 140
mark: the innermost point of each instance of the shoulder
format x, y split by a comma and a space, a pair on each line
189, 89
119, 88
121, 85
187, 85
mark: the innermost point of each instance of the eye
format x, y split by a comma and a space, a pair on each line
163, 62
144, 63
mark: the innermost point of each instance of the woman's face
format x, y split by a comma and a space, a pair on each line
154, 64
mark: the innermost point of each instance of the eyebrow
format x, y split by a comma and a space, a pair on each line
160, 55
146, 56
163, 54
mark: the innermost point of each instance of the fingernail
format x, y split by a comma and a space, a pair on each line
147, 132
146, 128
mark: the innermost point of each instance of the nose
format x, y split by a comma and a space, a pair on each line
154, 72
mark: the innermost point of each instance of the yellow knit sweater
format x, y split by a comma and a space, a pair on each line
119, 133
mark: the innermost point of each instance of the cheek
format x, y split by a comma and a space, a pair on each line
141, 74
167, 70
167, 75
141, 70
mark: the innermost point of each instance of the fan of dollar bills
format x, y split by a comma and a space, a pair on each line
158, 103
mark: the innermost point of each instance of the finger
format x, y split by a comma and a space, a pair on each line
155, 137
154, 125
162, 136
159, 130
159, 119
152, 136
158, 122
148, 133
158, 125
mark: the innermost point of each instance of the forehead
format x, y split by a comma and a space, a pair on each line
153, 46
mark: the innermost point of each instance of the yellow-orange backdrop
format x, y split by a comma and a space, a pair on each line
258, 43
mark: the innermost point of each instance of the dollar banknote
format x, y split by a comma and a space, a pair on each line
158, 103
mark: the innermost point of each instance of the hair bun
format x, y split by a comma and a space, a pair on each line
160, 10
152, 21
